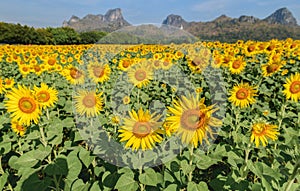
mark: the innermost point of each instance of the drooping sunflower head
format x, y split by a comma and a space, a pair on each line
292, 87
199, 60
18, 128
242, 95
141, 130
46, 96
270, 68
141, 74
99, 72
22, 105
192, 120
88, 103
262, 131
73, 74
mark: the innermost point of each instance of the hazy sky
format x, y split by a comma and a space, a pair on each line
43, 13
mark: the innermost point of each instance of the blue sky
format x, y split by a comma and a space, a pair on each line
43, 13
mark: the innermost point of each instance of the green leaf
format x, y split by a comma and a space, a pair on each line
171, 187
74, 165
204, 161
126, 183
85, 157
3, 180
192, 186
186, 167
25, 160
58, 167
35, 183
149, 177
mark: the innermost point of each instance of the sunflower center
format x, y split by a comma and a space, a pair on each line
20, 128
27, 105
192, 119
51, 61
242, 93
98, 71
197, 61
295, 87
43, 96
236, 64
259, 129
251, 48
75, 74
140, 75
272, 68
141, 129
89, 101
125, 64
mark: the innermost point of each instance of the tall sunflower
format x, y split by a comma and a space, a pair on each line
191, 119
46, 96
292, 87
141, 130
99, 72
22, 105
242, 95
88, 103
262, 131
141, 74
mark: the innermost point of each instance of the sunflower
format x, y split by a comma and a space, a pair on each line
99, 72
88, 103
198, 62
242, 95
237, 65
9, 83
292, 87
126, 100
262, 131
125, 64
270, 68
2, 86
141, 130
22, 105
141, 74
18, 128
191, 119
73, 74
45, 96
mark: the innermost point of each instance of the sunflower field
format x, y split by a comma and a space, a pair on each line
198, 116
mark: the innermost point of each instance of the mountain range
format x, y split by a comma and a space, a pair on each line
281, 24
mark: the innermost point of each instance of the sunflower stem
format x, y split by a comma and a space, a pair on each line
20, 146
43, 139
190, 177
47, 114
1, 169
141, 170
293, 176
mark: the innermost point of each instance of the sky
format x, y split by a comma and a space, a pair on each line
52, 13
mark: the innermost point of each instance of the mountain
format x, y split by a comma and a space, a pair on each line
281, 24
111, 21
282, 16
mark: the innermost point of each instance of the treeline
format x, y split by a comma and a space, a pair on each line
18, 34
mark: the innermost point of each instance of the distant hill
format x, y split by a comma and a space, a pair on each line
281, 25
111, 21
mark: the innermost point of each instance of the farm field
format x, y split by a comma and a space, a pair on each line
201, 116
